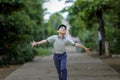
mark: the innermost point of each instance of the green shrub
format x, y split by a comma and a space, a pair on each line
24, 53
17, 54
43, 51
113, 38
114, 44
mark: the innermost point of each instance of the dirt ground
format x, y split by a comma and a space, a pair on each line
5, 71
113, 62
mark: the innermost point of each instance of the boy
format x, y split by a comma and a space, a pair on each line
59, 42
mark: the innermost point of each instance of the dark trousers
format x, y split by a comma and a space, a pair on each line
60, 63
100, 47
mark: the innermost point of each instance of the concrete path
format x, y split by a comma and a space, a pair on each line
80, 67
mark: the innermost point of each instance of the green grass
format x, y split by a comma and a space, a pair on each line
43, 51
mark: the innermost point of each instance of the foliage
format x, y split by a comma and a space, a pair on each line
9, 6
83, 19
113, 40
17, 30
112, 28
35, 12
53, 23
83, 23
41, 51
15, 37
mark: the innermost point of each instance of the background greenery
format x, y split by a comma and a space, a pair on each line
84, 21
21, 21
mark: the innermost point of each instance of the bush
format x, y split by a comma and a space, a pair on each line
17, 54
113, 38
24, 53
41, 51
114, 44
15, 37
19, 21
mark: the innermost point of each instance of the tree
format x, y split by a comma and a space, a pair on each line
53, 23
17, 28
35, 12
90, 11
9, 6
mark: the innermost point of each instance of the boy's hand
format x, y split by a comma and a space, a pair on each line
33, 43
88, 50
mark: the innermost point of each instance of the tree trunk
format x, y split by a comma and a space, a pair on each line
102, 30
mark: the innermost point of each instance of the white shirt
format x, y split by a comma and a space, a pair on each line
59, 44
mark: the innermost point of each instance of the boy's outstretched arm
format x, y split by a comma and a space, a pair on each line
38, 43
81, 46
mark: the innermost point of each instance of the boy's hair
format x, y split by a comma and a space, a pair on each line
62, 25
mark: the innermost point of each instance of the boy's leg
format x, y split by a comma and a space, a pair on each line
63, 68
60, 63
57, 64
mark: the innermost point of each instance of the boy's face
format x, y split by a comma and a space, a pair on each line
62, 30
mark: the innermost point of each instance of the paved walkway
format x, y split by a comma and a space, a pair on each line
80, 67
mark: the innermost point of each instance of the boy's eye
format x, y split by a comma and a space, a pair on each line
63, 28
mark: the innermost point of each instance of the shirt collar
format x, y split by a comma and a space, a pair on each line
62, 38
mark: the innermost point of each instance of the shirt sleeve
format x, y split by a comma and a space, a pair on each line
71, 42
51, 39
